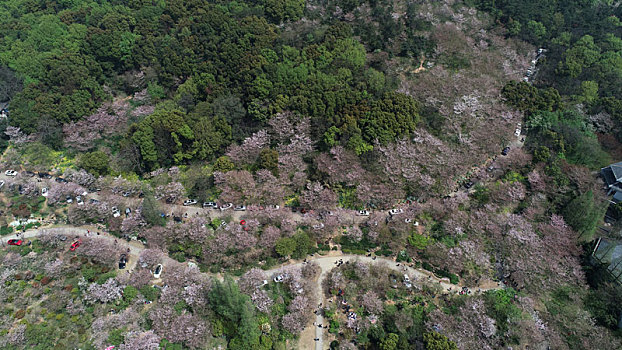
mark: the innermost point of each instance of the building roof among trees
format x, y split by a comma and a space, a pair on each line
610, 253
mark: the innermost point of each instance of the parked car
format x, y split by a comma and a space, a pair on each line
69, 199
28, 173
240, 208
517, 132
190, 202
79, 200
115, 212
60, 180
122, 261
210, 205
128, 211
407, 282
44, 175
362, 213
158, 271
75, 245
226, 206
468, 184
93, 201
10, 173
15, 242
44, 191
278, 278
126, 194
318, 226
505, 151
274, 206
396, 211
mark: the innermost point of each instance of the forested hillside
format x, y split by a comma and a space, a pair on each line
238, 146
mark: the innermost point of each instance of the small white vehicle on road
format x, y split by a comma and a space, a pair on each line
396, 211
362, 213
226, 206
10, 173
115, 212
190, 202
158, 271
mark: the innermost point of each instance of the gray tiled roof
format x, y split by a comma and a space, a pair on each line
617, 170
610, 254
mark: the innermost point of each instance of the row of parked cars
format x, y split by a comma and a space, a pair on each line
214, 205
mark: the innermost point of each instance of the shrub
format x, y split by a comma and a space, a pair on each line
20, 314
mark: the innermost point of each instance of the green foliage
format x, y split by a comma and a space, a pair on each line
269, 159
6, 230
237, 313
437, 341
528, 98
285, 246
223, 164
481, 196
389, 342
116, 336
96, 163
149, 292
129, 293
151, 210
418, 241
500, 306
393, 117
584, 213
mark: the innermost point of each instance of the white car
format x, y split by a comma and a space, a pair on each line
210, 205
278, 278
408, 220
79, 200
158, 271
362, 213
10, 173
407, 282
240, 208
226, 206
69, 199
318, 226
396, 211
517, 132
115, 212
274, 206
190, 202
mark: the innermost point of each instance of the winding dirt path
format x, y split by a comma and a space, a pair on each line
326, 264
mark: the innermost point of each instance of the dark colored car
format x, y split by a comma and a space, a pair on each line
45, 176
15, 242
468, 184
61, 180
75, 245
505, 151
122, 261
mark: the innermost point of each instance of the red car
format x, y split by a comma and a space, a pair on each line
242, 222
15, 242
75, 245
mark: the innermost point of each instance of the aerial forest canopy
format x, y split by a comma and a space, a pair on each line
448, 150
224, 65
